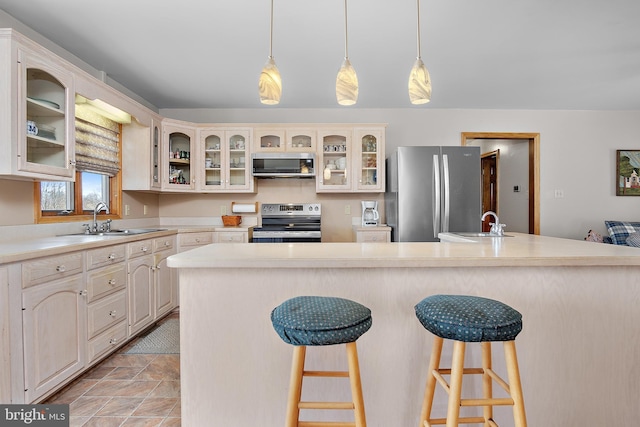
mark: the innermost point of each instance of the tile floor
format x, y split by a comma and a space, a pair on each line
126, 390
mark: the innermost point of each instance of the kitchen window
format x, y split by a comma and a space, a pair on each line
98, 162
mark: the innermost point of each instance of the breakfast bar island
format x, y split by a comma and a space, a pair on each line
579, 349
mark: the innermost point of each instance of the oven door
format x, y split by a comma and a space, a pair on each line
286, 236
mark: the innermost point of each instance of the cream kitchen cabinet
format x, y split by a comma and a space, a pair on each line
5, 339
179, 145
379, 234
106, 301
54, 331
285, 138
224, 160
37, 93
232, 236
142, 160
152, 287
351, 160
191, 240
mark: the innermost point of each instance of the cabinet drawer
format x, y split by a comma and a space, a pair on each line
373, 236
50, 268
196, 239
106, 342
232, 237
136, 249
164, 243
105, 281
105, 256
105, 313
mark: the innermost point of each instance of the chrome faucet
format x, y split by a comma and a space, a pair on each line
496, 227
99, 207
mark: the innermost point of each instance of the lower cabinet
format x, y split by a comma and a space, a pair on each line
166, 281
141, 293
240, 236
54, 334
5, 341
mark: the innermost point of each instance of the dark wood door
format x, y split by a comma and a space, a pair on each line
489, 164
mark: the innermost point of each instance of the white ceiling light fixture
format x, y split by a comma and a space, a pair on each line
270, 83
419, 79
347, 80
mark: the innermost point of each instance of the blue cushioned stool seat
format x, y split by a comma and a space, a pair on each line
468, 318
315, 320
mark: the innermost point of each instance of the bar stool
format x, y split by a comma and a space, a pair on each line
313, 321
467, 319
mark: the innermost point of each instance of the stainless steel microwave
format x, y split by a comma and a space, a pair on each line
283, 165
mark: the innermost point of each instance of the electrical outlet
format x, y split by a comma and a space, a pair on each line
558, 194
127, 210
347, 209
223, 210
145, 209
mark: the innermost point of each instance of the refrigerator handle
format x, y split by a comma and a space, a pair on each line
436, 196
446, 196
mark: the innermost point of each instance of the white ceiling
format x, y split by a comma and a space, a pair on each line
496, 54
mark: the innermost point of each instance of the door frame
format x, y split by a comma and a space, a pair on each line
533, 139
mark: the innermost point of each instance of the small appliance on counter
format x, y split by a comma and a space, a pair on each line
370, 215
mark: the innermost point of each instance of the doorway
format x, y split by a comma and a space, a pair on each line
489, 170
533, 141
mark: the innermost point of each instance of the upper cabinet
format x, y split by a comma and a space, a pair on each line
284, 138
36, 93
224, 160
179, 143
368, 159
334, 161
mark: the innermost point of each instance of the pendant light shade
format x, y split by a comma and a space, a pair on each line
347, 80
270, 83
419, 79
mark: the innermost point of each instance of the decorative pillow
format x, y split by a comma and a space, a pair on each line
619, 231
634, 240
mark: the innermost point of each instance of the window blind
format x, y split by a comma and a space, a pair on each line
97, 143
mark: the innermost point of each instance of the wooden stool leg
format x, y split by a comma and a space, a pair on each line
487, 382
457, 370
295, 386
513, 372
356, 386
430, 388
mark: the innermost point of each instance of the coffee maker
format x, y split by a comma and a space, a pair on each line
370, 215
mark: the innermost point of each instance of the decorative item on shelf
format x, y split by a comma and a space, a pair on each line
270, 83
419, 79
347, 80
231, 220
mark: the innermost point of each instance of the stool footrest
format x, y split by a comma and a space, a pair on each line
502, 401
325, 424
461, 420
326, 405
332, 374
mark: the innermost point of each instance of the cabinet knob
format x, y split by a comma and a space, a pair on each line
112, 256
112, 282
61, 268
113, 341
112, 313
197, 240
83, 292
144, 249
166, 243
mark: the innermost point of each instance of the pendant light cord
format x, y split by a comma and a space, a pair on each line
271, 33
418, 32
346, 44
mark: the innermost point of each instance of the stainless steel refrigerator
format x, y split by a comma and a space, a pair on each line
431, 190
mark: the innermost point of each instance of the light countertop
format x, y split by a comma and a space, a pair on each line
518, 250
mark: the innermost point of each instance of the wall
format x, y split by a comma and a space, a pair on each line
577, 150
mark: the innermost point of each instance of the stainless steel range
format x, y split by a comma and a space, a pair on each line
289, 222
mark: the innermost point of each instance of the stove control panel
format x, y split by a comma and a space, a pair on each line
291, 209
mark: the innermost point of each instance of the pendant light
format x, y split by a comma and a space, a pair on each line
419, 80
347, 81
270, 83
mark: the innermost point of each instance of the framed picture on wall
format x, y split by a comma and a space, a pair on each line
627, 172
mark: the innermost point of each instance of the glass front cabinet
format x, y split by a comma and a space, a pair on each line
285, 139
334, 161
224, 162
179, 140
368, 160
37, 95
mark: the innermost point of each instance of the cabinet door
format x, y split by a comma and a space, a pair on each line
179, 146
166, 280
368, 152
334, 161
141, 293
301, 140
269, 140
5, 342
54, 333
238, 161
45, 118
211, 146
156, 145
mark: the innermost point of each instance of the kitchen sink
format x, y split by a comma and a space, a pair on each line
125, 232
